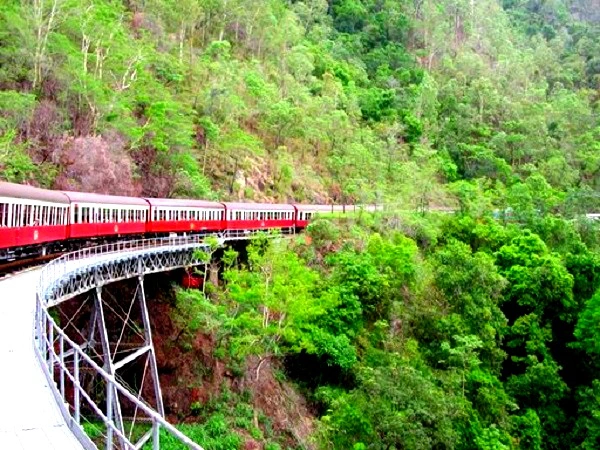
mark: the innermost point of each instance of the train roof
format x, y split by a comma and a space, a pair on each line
13, 190
259, 206
181, 202
83, 197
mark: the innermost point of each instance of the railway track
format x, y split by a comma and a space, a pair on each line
9, 268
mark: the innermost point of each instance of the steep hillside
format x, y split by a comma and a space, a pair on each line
354, 100
472, 330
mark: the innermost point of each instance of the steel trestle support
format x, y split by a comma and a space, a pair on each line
76, 363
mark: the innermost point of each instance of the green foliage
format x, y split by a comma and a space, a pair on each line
586, 330
466, 330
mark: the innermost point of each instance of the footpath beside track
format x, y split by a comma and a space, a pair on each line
29, 415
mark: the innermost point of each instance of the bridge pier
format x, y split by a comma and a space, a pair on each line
118, 354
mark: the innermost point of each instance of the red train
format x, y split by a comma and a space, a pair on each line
38, 221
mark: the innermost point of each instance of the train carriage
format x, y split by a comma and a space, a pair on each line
30, 216
304, 213
178, 215
96, 215
257, 216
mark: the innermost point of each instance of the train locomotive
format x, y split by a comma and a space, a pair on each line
36, 221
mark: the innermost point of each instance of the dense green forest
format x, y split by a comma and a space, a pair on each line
405, 330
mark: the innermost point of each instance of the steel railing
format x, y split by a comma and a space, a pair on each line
54, 360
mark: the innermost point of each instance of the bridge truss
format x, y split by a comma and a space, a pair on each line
85, 367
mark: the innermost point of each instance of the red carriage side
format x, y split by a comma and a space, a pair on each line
31, 216
257, 216
96, 215
182, 215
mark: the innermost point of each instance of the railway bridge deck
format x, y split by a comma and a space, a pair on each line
29, 415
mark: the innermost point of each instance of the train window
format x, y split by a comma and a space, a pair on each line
3, 214
15, 215
25, 215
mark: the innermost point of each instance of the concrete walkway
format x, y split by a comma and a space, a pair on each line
29, 415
